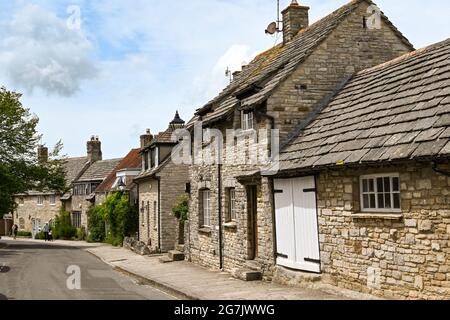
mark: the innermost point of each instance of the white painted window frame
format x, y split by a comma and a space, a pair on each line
375, 177
232, 204
52, 200
40, 203
247, 120
206, 207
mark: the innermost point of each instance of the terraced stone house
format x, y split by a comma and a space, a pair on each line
363, 191
231, 224
82, 193
161, 183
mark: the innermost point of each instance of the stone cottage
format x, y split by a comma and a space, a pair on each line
363, 191
161, 183
34, 209
82, 193
231, 222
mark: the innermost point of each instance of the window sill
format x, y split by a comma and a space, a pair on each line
205, 230
231, 225
378, 215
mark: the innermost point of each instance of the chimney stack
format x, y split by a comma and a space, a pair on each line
295, 18
146, 139
42, 154
94, 149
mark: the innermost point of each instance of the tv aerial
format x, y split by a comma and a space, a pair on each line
275, 27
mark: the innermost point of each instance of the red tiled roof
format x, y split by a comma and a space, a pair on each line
131, 161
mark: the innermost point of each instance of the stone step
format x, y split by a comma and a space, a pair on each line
180, 247
253, 265
176, 255
165, 259
247, 275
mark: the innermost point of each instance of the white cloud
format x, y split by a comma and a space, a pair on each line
38, 51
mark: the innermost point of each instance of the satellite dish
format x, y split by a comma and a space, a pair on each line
272, 28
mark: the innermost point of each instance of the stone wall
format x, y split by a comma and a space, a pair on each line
406, 257
160, 231
30, 210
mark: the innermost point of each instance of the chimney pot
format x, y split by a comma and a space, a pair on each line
295, 18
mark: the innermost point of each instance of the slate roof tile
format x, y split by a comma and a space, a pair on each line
365, 123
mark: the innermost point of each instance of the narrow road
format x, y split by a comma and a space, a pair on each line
37, 271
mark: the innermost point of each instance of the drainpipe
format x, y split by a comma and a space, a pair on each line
220, 215
159, 213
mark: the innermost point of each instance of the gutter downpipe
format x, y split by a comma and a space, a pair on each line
220, 215
159, 213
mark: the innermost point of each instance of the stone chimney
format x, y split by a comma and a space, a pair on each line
94, 149
295, 18
42, 154
146, 139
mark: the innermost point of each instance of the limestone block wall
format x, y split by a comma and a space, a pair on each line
31, 210
407, 257
160, 230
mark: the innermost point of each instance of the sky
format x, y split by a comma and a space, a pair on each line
113, 68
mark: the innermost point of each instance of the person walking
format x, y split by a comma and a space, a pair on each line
45, 230
14, 231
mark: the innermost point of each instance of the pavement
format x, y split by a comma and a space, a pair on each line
184, 280
35, 270
190, 281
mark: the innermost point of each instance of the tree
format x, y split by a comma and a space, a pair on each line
20, 169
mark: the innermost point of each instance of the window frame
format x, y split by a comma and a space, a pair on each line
206, 209
391, 177
231, 205
52, 200
246, 119
40, 203
76, 219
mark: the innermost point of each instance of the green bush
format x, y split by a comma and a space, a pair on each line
118, 214
81, 234
39, 236
24, 234
63, 229
96, 224
181, 208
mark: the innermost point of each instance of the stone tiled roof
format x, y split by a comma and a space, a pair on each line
131, 161
74, 167
270, 68
396, 111
99, 170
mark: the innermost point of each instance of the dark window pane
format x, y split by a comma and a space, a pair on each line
396, 201
371, 185
387, 200
387, 185
396, 184
380, 184
380, 200
366, 201
372, 201
365, 188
